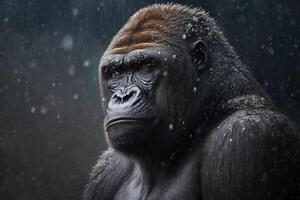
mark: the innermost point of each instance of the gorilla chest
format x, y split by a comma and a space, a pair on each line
183, 185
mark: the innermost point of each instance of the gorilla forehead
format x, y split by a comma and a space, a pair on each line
155, 25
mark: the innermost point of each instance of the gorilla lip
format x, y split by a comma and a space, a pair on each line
114, 121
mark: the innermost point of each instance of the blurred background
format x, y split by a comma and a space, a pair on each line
50, 112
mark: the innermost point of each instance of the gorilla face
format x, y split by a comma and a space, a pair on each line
143, 96
129, 83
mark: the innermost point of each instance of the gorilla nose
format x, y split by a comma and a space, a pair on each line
126, 97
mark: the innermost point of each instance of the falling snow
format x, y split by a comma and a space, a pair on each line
270, 50
75, 96
44, 110
72, 70
67, 43
75, 12
32, 109
86, 63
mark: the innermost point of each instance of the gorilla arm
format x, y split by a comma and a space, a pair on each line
251, 155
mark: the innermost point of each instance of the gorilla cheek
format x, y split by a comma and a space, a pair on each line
161, 101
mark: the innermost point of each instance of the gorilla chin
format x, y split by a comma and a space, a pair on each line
126, 132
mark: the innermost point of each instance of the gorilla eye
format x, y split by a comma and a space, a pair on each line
146, 67
115, 73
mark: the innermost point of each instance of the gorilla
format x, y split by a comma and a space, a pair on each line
185, 119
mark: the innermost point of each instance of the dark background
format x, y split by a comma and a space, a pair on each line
50, 114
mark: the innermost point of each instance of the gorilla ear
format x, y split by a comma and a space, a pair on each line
200, 53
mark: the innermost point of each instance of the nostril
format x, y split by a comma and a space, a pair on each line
132, 93
128, 96
117, 99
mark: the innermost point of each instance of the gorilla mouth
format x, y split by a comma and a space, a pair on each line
128, 120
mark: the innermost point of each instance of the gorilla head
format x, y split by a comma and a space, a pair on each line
151, 76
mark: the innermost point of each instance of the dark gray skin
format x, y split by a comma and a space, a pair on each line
192, 126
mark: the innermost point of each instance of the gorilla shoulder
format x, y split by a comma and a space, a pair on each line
263, 148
